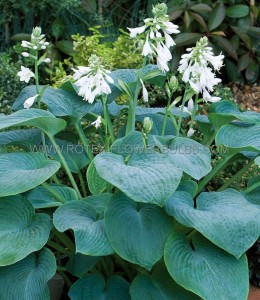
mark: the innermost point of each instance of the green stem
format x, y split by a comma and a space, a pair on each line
108, 121
166, 116
219, 167
58, 247
130, 126
236, 176
65, 165
173, 120
252, 187
59, 268
84, 140
82, 184
194, 112
65, 240
54, 192
180, 118
66, 279
55, 179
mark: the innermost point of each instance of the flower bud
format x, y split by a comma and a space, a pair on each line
37, 31
160, 9
43, 47
147, 125
25, 54
47, 60
173, 84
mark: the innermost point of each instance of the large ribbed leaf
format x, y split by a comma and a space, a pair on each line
88, 228
23, 138
40, 197
147, 177
74, 154
136, 231
159, 286
27, 279
98, 202
190, 156
226, 218
20, 172
224, 112
60, 102
239, 137
94, 287
142, 110
79, 264
34, 117
206, 270
21, 230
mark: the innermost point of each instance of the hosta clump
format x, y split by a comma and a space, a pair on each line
134, 221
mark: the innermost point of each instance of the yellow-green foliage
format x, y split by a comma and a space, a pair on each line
123, 53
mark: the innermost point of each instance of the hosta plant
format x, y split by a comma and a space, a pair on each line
135, 220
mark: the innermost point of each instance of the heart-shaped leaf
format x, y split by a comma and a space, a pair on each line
136, 231
27, 279
226, 218
34, 117
94, 287
60, 102
98, 202
239, 137
148, 177
206, 270
40, 197
89, 230
21, 230
159, 286
189, 155
20, 172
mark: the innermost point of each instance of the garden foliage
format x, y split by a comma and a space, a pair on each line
134, 221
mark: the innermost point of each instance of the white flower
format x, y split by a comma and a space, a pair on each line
29, 102
190, 107
135, 31
198, 67
26, 44
98, 122
25, 74
158, 39
190, 132
145, 92
25, 54
47, 60
92, 80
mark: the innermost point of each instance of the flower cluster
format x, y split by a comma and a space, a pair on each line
158, 40
198, 67
92, 80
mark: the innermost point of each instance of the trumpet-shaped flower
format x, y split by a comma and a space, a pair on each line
29, 102
198, 67
93, 80
145, 92
158, 40
25, 74
97, 123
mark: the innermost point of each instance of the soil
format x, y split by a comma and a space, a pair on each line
248, 97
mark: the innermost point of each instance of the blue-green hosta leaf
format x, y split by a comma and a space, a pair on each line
136, 231
226, 218
94, 287
254, 195
28, 278
148, 177
113, 108
141, 110
257, 161
98, 202
224, 112
159, 286
206, 270
190, 156
21, 230
96, 184
79, 264
23, 138
60, 102
20, 172
40, 197
188, 186
89, 230
239, 137
74, 155
34, 117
